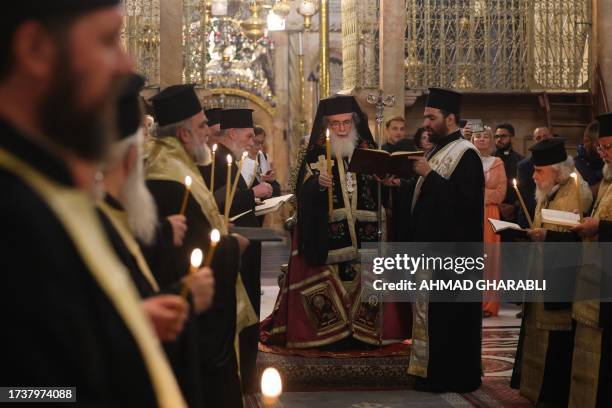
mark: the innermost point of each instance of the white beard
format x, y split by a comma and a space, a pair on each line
542, 192
344, 147
139, 204
607, 172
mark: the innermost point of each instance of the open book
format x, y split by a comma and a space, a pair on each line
565, 218
509, 230
380, 162
271, 204
267, 206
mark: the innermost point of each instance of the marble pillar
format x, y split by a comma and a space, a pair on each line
392, 40
171, 44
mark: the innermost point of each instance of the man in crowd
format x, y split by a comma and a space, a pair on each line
179, 145
591, 381
396, 136
547, 335
526, 184
326, 243
587, 160
503, 143
447, 206
237, 137
71, 316
128, 214
214, 125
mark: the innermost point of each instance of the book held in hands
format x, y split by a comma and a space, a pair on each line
381, 163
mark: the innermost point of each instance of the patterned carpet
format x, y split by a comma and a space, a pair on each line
347, 374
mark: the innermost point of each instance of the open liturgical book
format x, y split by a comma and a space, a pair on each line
565, 218
510, 230
267, 206
381, 163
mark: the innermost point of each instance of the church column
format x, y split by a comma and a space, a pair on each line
392, 40
171, 44
604, 48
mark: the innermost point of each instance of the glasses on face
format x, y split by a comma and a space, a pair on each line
500, 136
604, 148
345, 123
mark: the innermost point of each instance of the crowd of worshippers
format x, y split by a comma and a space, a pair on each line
123, 278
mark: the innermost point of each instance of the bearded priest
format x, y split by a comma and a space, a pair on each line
319, 302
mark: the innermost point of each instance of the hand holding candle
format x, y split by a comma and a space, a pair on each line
185, 195
330, 202
212, 170
227, 188
215, 236
578, 193
523, 206
196, 261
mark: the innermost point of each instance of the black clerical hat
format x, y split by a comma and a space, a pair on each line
129, 113
23, 10
175, 103
337, 105
213, 115
444, 99
236, 118
605, 124
548, 151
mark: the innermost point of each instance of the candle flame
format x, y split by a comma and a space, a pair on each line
196, 258
327, 134
244, 155
188, 181
271, 384
215, 235
229, 159
574, 176
514, 182
214, 148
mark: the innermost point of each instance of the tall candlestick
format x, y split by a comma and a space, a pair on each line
228, 185
185, 195
330, 201
196, 261
523, 206
238, 175
300, 43
212, 170
215, 236
578, 193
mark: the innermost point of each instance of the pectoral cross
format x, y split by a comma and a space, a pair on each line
321, 165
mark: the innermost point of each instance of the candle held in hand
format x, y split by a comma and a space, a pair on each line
330, 202
215, 236
212, 170
185, 195
523, 206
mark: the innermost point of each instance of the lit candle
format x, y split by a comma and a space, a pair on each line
215, 236
238, 175
578, 193
186, 195
330, 201
520, 197
212, 170
228, 187
271, 387
196, 261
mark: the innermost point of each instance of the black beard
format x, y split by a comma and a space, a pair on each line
84, 131
436, 135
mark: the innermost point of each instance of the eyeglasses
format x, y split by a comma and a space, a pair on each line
337, 124
604, 148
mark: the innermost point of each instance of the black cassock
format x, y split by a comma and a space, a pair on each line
182, 353
244, 200
216, 326
452, 211
58, 327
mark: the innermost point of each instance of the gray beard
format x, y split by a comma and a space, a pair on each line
541, 194
607, 172
203, 155
139, 204
344, 147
